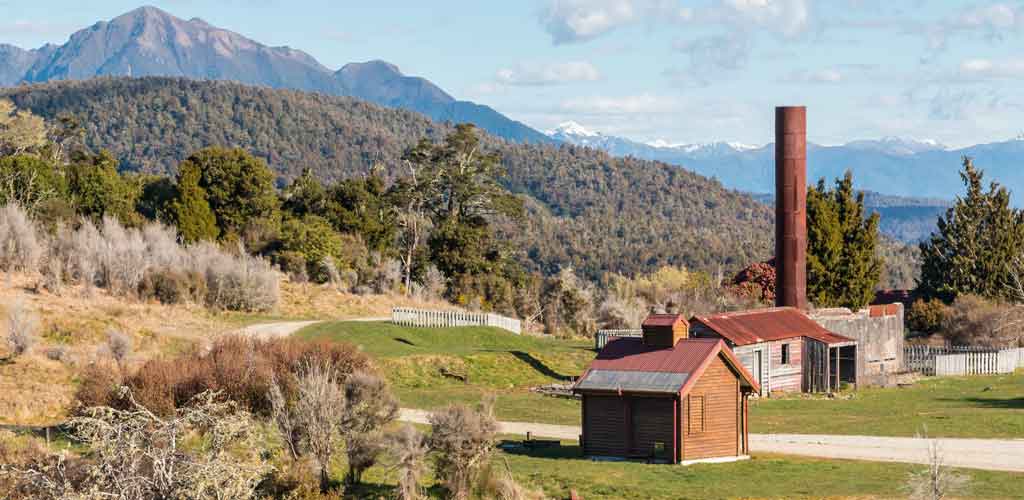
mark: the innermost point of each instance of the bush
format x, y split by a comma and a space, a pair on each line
171, 286
242, 283
314, 239
97, 385
463, 439
20, 245
927, 316
22, 328
976, 321
240, 369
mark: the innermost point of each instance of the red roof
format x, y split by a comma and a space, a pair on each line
764, 325
663, 319
690, 356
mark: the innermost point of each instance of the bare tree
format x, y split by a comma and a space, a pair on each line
463, 439
369, 406
285, 419
318, 409
20, 245
936, 481
136, 454
22, 328
407, 450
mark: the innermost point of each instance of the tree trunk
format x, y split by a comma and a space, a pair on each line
325, 480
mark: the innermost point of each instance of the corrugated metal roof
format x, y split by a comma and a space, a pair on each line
634, 354
663, 319
633, 381
689, 358
763, 325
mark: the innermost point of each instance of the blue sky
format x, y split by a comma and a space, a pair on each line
677, 70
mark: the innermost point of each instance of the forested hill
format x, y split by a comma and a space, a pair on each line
588, 210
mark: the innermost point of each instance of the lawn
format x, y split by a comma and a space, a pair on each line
558, 470
426, 366
496, 362
977, 407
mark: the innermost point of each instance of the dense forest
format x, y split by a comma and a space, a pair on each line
586, 210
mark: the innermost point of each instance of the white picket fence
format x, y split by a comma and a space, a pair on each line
442, 319
602, 336
980, 363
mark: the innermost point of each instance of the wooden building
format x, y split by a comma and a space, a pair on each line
665, 397
783, 348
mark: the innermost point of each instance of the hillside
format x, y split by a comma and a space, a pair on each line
151, 42
589, 210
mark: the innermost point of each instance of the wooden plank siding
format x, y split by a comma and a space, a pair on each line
604, 427
786, 377
719, 387
652, 420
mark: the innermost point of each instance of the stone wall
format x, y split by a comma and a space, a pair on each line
878, 331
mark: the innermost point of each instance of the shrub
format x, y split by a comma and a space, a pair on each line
927, 316
97, 386
20, 245
22, 328
319, 405
171, 286
56, 353
242, 283
463, 439
407, 450
369, 406
120, 346
314, 239
974, 320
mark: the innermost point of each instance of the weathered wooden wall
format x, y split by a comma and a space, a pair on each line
627, 426
719, 386
788, 377
604, 426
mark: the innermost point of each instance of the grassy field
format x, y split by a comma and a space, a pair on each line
507, 365
558, 470
424, 365
978, 407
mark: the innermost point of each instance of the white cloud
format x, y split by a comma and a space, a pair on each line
786, 17
625, 105
829, 75
573, 21
710, 57
992, 22
984, 69
548, 74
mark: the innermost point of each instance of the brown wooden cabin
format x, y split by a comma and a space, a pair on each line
783, 348
665, 397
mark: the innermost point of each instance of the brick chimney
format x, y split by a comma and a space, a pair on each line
665, 330
791, 206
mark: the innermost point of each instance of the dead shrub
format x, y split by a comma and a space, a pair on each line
463, 439
20, 246
369, 406
173, 286
976, 321
56, 353
500, 485
22, 328
407, 452
239, 369
119, 345
319, 405
241, 283
97, 386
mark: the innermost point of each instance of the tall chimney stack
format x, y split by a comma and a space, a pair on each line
791, 206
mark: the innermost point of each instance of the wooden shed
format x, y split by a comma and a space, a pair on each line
681, 403
784, 349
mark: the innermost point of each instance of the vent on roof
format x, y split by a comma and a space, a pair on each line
664, 330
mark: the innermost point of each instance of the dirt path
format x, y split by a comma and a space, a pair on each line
265, 331
991, 454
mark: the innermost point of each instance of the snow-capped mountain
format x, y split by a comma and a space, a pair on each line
890, 165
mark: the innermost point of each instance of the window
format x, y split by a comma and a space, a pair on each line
695, 418
785, 354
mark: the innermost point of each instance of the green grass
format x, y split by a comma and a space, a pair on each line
764, 476
977, 407
507, 365
419, 362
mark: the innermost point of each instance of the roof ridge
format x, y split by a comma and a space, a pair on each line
748, 312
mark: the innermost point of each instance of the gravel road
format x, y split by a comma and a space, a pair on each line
991, 454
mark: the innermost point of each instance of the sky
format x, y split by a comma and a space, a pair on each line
681, 71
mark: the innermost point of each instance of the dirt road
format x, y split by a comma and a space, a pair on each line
991, 454
266, 331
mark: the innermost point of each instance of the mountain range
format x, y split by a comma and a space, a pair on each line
901, 167
150, 42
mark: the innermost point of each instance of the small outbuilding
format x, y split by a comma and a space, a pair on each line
784, 348
665, 397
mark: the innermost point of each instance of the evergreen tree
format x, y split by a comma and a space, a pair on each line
843, 267
305, 195
239, 188
97, 189
975, 242
362, 206
190, 209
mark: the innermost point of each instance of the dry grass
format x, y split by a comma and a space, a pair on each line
35, 390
